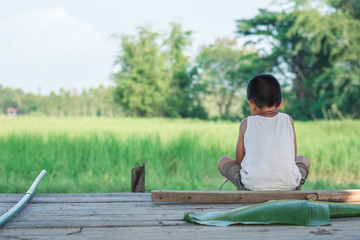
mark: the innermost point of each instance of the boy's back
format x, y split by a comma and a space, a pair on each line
269, 163
266, 150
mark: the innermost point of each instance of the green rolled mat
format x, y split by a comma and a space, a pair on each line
290, 212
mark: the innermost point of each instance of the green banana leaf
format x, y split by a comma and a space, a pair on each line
338, 210
292, 212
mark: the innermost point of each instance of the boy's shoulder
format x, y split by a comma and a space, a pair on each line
281, 115
287, 116
243, 126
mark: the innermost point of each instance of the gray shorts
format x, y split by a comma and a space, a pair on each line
231, 171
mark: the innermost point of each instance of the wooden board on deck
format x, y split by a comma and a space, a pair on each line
135, 216
253, 196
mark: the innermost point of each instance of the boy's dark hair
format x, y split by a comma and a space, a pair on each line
264, 90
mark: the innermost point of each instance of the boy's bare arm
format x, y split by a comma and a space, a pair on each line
295, 145
240, 149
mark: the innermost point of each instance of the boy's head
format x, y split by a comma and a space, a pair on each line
264, 90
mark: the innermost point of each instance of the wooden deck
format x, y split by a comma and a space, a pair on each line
135, 216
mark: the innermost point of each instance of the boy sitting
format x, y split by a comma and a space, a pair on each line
266, 153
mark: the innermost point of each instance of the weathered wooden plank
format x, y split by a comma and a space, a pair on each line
10, 197
338, 230
80, 197
76, 210
253, 196
83, 219
115, 213
339, 196
96, 209
99, 222
101, 208
88, 213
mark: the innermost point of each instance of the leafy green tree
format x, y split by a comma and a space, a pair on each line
225, 70
346, 67
111, 108
84, 102
16, 98
321, 51
56, 105
7, 99
76, 102
143, 82
184, 100
31, 103
351, 7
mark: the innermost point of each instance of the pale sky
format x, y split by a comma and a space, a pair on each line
48, 44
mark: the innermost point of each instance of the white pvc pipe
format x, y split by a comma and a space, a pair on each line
4, 218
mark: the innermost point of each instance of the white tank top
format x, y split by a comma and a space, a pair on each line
269, 161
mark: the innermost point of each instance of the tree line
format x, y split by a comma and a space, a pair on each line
312, 47
89, 102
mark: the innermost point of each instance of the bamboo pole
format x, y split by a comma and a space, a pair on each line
6, 216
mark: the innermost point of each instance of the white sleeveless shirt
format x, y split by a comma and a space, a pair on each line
269, 161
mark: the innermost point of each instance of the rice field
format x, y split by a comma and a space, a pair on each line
97, 154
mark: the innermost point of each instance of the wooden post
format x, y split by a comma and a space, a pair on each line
138, 179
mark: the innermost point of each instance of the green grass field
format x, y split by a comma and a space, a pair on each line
97, 154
